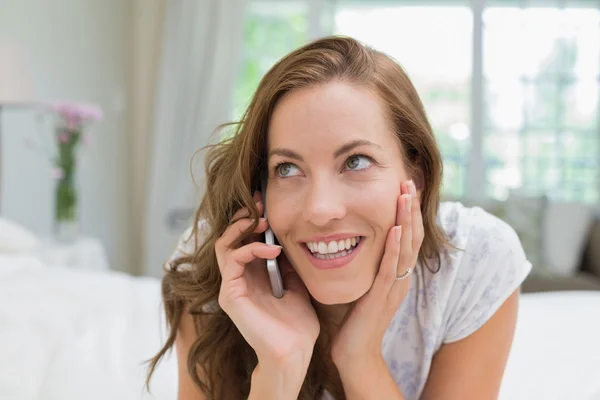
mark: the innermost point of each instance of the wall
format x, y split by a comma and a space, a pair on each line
78, 50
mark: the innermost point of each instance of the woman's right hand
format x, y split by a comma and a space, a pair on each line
282, 331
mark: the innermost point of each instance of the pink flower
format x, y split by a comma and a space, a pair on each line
75, 113
58, 173
63, 137
90, 112
71, 124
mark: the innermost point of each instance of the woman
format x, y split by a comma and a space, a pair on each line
389, 294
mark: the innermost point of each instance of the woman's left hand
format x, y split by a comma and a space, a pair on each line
357, 345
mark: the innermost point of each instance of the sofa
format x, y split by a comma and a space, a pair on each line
560, 239
587, 275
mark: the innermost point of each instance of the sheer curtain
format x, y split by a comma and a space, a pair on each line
182, 102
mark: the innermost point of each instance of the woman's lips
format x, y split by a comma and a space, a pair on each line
338, 262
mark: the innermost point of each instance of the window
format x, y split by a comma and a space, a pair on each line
541, 83
510, 90
271, 30
433, 44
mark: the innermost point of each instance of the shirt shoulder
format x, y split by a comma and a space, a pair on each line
187, 245
487, 265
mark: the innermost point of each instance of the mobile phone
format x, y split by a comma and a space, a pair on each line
272, 266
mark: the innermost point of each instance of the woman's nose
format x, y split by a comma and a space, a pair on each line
324, 203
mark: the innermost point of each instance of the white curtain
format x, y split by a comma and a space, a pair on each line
147, 44
198, 62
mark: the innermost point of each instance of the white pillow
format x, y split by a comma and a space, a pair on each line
16, 239
567, 229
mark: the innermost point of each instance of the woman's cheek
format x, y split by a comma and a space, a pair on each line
381, 201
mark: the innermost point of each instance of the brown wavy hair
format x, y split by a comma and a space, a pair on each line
220, 361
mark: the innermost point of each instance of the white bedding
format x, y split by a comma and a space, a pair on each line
556, 351
67, 335
71, 335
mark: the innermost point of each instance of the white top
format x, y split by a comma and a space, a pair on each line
451, 304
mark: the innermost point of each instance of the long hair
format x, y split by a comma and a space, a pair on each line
220, 361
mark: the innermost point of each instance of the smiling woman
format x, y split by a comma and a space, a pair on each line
388, 293
343, 168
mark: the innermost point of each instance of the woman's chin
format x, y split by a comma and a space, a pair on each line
332, 295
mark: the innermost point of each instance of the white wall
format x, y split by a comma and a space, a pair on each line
80, 50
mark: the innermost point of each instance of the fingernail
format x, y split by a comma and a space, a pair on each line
398, 233
274, 246
258, 203
412, 188
408, 201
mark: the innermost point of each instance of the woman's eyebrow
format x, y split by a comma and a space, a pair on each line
353, 144
285, 153
339, 152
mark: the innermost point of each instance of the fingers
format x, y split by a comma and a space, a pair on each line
417, 223
235, 262
243, 212
406, 243
248, 253
409, 215
387, 269
231, 260
256, 236
233, 232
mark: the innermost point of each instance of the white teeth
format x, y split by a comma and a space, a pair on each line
333, 247
333, 256
322, 248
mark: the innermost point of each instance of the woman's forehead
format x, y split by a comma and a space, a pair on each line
333, 112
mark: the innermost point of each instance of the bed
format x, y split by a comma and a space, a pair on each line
67, 334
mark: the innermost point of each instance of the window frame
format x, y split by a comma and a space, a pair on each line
476, 160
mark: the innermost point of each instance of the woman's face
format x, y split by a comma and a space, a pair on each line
335, 169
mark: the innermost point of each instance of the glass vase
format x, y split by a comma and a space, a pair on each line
66, 213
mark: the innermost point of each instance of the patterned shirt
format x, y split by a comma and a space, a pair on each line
449, 305
452, 303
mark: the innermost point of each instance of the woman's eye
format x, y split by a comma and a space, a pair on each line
357, 163
285, 169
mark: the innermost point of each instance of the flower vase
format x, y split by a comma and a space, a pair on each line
66, 221
71, 122
65, 195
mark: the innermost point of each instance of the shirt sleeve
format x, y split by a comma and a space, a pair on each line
493, 266
186, 246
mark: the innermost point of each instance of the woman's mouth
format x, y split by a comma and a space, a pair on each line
333, 249
333, 254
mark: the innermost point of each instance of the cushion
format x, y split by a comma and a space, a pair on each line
579, 281
526, 216
16, 239
567, 229
592, 256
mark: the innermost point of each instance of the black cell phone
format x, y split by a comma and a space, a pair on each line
272, 265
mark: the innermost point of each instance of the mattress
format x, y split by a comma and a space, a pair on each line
67, 334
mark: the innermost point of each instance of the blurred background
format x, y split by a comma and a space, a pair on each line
104, 103
511, 89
